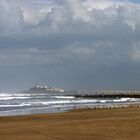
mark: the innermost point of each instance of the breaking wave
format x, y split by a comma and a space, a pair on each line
19, 101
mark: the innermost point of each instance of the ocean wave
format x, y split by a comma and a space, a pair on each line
64, 97
16, 105
126, 100
13, 95
11, 98
62, 102
16, 101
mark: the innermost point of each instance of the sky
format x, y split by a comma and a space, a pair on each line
70, 44
138, 1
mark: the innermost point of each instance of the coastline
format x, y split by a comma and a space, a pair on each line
83, 124
60, 109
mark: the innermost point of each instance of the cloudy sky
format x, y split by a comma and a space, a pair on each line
72, 44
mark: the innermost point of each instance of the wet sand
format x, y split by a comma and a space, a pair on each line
104, 124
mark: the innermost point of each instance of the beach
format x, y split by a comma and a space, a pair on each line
101, 124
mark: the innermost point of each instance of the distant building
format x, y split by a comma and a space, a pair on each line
44, 89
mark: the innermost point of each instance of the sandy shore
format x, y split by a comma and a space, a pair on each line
105, 124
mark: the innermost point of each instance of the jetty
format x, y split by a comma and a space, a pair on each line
111, 94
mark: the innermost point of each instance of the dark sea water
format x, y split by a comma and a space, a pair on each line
37, 103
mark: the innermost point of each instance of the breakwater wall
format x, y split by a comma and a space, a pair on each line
111, 94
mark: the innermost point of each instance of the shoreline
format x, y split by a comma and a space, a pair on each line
57, 110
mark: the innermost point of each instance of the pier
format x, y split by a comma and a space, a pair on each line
111, 94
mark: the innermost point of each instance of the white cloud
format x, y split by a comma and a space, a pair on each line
10, 17
102, 4
54, 15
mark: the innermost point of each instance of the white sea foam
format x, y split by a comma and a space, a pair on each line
103, 101
57, 103
13, 95
125, 100
20, 105
11, 98
64, 97
63, 102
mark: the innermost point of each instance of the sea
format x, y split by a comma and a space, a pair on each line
13, 104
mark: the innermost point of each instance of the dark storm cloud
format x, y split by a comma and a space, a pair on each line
73, 43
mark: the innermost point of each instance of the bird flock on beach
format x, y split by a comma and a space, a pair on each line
105, 107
